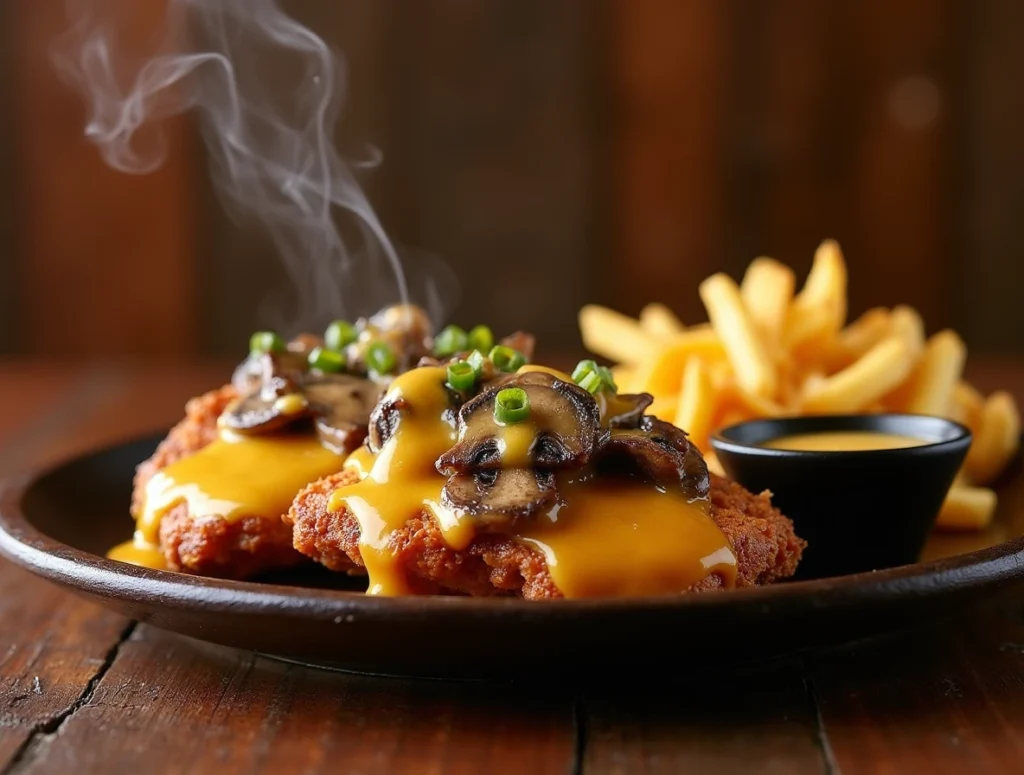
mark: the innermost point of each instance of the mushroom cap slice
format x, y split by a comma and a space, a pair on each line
564, 421
342, 405
659, 451
498, 496
623, 410
264, 411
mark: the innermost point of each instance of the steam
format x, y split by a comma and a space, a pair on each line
271, 150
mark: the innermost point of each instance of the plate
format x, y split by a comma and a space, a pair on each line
58, 523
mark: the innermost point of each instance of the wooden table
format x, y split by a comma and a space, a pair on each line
82, 690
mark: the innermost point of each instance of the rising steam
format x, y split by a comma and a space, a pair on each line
272, 150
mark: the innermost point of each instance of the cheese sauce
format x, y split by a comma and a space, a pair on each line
606, 538
231, 478
844, 441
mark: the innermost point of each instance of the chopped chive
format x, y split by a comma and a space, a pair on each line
451, 340
381, 358
265, 342
506, 359
591, 382
461, 375
608, 378
583, 368
511, 406
326, 360
340, 334
481, 338
477, 359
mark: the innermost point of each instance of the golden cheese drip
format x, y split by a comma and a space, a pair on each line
231, 478
625, 538
402, 480
607, 537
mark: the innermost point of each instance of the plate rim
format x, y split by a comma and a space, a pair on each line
28, 547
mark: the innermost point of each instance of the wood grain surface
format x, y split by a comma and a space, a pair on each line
83, 690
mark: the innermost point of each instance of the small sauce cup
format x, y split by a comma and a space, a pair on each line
858, 510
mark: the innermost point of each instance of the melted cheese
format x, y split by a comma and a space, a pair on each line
844, 441
231, 478
628, 538
606, 538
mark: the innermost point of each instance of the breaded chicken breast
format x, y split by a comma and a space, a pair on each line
234, 549
762, 539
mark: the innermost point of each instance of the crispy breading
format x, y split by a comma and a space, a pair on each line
763, 540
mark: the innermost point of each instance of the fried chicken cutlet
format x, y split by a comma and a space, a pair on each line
763, 540
207, 546
528, 485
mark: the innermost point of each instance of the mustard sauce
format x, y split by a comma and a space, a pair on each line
231, 478
844, 441
605, 538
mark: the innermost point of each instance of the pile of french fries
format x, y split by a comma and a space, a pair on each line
769, 350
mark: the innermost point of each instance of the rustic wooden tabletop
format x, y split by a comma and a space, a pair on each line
82, 690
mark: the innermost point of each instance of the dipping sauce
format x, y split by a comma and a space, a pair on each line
844, 441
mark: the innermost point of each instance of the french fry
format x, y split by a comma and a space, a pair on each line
881, 369
714, 466
696, 403
664, 406
931, 385
766, 291
997, 439
626, 378
664, 372
965, 406
907, 324
615, 336
819, 310
967, 508
859, 337
660, 322
745, 350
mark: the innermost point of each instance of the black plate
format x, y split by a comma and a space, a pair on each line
58, 525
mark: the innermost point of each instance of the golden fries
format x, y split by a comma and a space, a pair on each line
770, 351
615, 336
967, 508
659, 321
731, 322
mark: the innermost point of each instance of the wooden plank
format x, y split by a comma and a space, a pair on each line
670, 72
106, 258
991, 271
9, 194
497, 152
940, 701
51, 646
190, 707
737, 721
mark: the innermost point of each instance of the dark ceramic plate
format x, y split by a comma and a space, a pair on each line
58, 525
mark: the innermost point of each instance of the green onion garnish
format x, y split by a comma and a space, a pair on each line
583, 368
450, 341
607, 378
326, 360
511, 406
591, 382
340, 334
381, 358
461, 376
506, 359
477, 359
265, 342
481, 338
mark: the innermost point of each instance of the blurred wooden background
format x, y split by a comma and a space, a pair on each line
554, 153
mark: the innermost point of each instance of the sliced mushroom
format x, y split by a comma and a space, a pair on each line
563, 417
658, 451
265, 410
623, 410
342, 405
513, 493
384, 421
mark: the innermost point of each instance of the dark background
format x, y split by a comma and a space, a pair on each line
554, 153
